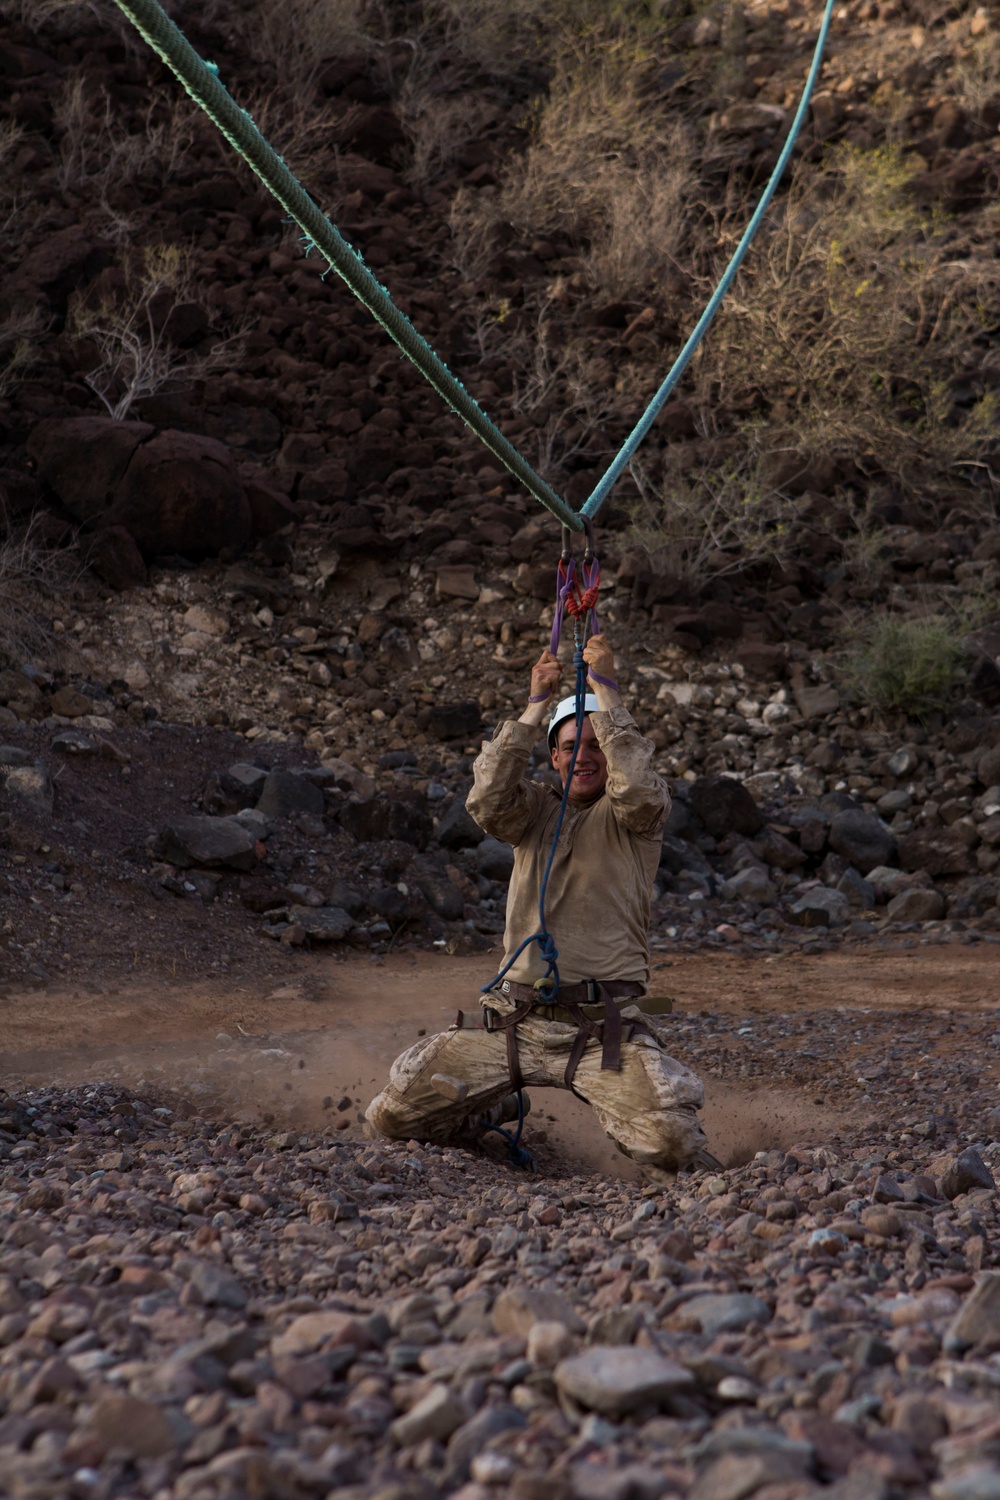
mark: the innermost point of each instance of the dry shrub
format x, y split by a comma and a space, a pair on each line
103, 158
36, 13
605, 166
12, 138
127, 335
905, 665
713, 521
295, 36
848, 323
439, 127
976, 75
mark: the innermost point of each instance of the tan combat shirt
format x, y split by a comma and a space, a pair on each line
597, 904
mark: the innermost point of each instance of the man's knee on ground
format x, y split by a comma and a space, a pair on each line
386, 1118
665, 1139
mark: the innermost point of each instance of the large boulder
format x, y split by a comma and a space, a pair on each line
457, 829
286, 793
939, 851
387, 818
174, 492
455, 721
495, 859
324, 924
916, 905
193, 839
820, 907
678, 855
723, 806
83, 460
114, 556
862, 839
181, 494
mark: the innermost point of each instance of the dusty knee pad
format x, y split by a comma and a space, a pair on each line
666, 1139
385, 1119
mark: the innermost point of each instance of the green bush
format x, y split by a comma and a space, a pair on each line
911, 666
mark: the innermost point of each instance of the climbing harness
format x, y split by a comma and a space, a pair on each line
201, 81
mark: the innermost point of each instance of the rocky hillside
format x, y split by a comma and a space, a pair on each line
230, 505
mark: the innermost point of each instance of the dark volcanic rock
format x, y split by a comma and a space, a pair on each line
862, 839
457, 828
324, 924
386, 818
181, 495
967, 1171
286, 793
194, 840
83, 460
939, 851
174, 492
723, 806
455, 721
495, 859
114, 556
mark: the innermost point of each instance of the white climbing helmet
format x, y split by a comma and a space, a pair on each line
567, 710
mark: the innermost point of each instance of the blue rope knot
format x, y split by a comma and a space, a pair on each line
519, 1155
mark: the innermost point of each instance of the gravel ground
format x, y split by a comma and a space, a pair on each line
195, 1308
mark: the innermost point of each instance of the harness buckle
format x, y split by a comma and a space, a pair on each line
490, 1018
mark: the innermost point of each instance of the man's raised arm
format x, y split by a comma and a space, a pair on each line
639, 797
502, 801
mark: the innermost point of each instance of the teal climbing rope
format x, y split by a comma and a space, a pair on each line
201, 81
628, 450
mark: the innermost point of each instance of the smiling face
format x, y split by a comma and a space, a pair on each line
590, 774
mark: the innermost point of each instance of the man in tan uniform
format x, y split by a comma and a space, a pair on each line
595, 1038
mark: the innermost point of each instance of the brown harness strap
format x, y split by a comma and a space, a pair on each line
611, 1041
609, 1032
508, 1025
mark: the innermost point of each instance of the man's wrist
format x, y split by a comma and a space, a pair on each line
536, 711
607, 695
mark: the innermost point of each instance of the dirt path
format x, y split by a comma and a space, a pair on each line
325, 1034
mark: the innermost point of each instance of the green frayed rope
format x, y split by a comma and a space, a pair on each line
200, 80
628, 449
202, 83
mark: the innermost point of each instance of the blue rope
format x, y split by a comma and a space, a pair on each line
202, 83
542, 936
629, 448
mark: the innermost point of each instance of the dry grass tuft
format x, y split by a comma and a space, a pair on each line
846, 327
31, 577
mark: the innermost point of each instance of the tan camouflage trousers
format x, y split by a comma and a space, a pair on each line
648, 1108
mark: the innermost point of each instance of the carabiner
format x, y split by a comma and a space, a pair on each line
588, 526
